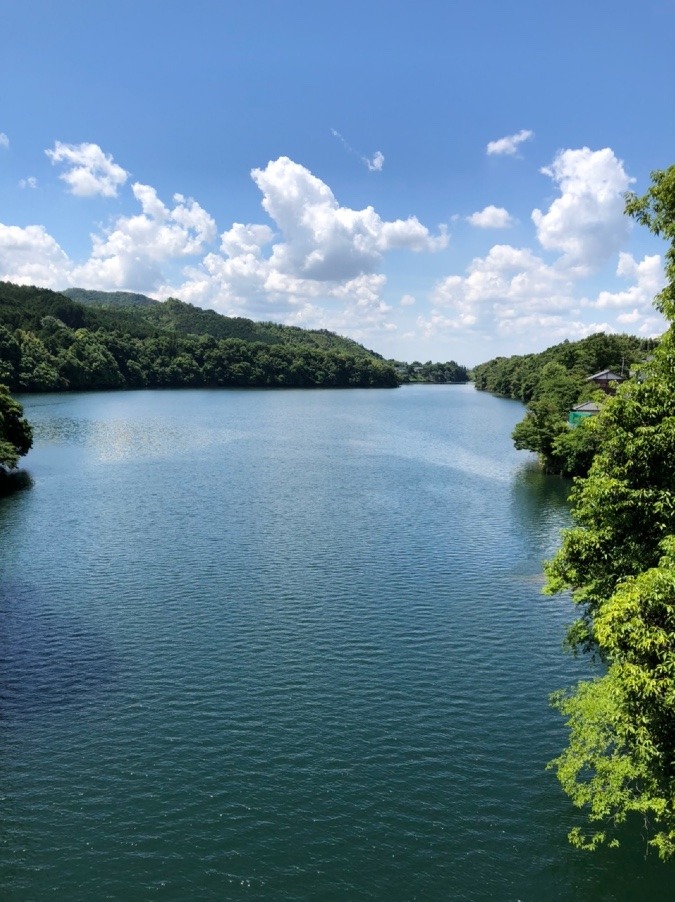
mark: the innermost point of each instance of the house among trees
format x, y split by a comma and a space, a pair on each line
606, 381
580, 411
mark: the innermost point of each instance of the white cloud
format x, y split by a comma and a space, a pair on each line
4, 140
629, 318
509, 145
376, 162
553, 327
132, 253
649, 280
92, 172
506, 276
30, 256
319, 264
245, 239
513, 291
317, 267
30, 182
586, 222
491, 217
323, 240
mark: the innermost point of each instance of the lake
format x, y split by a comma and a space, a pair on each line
287, 645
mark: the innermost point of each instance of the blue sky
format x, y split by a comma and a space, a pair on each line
435, 179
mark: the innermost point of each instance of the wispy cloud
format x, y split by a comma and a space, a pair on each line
4, 140
509, 145
373, 164
376, 163
30, 182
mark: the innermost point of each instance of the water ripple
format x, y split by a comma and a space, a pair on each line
285, 645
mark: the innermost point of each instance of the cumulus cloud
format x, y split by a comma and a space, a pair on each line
245, 239
507, 276
509, 145
407, 301
131, 254
4, 141
586, 222
323, 240
30, 182
648, 278
491, 217
30, 256
317, 266
90, 171
514, 291
508, 286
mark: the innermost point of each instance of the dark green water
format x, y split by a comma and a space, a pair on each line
286, 645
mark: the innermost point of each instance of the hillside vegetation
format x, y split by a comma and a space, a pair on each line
551, 383
50, 342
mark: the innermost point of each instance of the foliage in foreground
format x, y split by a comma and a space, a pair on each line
16, 436
618, 561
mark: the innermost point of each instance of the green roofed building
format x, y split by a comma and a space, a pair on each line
580, 411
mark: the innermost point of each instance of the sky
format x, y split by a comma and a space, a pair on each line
438, 179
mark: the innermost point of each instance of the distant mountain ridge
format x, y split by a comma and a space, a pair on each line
109, 298
187, 319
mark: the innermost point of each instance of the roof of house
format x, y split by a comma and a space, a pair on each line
587, 407
604, 376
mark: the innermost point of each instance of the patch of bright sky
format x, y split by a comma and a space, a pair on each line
438, 179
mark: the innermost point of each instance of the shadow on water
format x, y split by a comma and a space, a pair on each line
539, 491
539, 502
48, 659
14, 481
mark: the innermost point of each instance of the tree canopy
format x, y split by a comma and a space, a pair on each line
618, 562
552, 382
49, 342
16, 436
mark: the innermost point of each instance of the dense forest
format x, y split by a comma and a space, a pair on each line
49, 342
551, 383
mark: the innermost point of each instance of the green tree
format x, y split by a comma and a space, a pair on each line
618, 562
541, 427
16, 435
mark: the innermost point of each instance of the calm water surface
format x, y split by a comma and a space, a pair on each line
286, 645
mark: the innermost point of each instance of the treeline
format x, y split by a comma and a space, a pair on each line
49, 342
437, 373
551, 383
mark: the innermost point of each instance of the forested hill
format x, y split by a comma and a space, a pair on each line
109, 298
186, 319
551, 383
49, 342
519, 376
